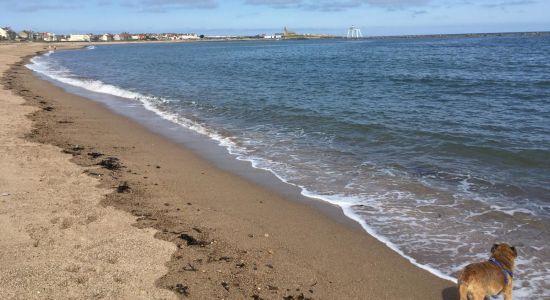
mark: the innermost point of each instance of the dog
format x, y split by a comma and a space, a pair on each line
489, 278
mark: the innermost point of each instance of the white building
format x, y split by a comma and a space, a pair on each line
273, 37
188, 37
5, 33
79, 38
106, 38
49, 37
24, 35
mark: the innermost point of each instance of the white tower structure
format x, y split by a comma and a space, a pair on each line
354, 33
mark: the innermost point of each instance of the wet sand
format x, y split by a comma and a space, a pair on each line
226, 236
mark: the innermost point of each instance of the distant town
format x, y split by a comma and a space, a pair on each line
8, 34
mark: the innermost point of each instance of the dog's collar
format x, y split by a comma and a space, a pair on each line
505, 271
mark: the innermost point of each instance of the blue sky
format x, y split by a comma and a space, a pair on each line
374, 17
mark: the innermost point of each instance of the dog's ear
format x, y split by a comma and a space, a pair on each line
494, 248
515, 251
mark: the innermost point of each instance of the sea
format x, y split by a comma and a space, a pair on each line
438, 147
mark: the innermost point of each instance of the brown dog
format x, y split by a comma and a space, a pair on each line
489, 278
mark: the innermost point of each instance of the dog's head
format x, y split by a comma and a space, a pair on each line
504, 250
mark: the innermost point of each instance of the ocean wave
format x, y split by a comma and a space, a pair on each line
350, 204
345, 202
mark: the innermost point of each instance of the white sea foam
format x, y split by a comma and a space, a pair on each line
346, 202
148, 102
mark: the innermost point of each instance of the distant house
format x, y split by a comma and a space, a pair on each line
273, 37
24, 35
166, 36
79, 38
140, 37
153, 37
106, 38
122, 37
7, 34
188, 36
49, 37
36, 36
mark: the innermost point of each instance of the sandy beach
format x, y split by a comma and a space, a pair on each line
94, 205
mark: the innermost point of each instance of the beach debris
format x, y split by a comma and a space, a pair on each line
76, 148
181, 289
241, 265
34, 132
91, 173
225, 285
266, 235
190, 268
5, 194
225, 258
48, 108
73, 149
269, 266
65, 122
191, 241
123, 187
297, 297
272, 288
110, 163
94, 155
197, 229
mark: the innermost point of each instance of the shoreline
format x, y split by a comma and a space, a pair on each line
279, 258
209, 147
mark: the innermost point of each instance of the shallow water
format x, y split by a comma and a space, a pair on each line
439, 147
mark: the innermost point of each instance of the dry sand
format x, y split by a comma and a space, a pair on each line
56, 242
229, 238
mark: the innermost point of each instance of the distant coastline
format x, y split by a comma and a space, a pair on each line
296, 37
466, 35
